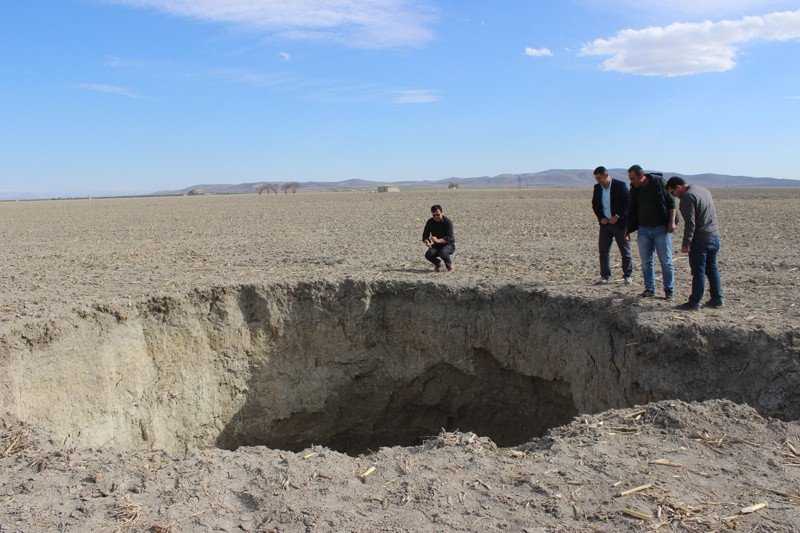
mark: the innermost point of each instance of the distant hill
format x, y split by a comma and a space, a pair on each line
547, 178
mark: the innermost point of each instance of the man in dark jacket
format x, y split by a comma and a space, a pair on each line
438, 236
610, 202
652, 214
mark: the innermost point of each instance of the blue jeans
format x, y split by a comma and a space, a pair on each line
703, 260
651, 240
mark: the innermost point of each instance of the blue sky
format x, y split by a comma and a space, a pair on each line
133, 96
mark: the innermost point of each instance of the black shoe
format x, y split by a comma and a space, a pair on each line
602, 281
669, 296
688, 306
647, 294
714, 304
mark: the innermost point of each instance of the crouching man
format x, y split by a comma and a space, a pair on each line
700, 241
438, 236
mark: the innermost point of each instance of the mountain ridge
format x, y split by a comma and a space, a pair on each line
577, 178
574, 178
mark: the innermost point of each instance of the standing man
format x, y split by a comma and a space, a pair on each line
653, 215
610, 203
700, 241
438, 236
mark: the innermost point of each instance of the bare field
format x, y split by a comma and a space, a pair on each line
60, 254
201, 363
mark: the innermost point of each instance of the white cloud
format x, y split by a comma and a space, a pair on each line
690, 48
357, 23
693, 9
134, 64
538, 52
415, 96
321, 90
285, 55
109, 89
241, 76
169, 69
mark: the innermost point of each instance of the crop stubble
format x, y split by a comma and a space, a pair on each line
60, 254
692, 467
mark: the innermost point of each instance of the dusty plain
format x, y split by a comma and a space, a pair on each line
671, 465
60, 254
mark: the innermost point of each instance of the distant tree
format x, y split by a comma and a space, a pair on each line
266, 187
290, 186
197, 191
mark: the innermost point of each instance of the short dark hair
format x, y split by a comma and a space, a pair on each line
675, 181
436, 207
637, 169
599, 171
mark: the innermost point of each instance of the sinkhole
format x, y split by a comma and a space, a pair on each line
355, 366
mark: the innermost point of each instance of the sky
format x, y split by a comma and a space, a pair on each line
115, 97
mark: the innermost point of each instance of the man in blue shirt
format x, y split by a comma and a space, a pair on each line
610, 202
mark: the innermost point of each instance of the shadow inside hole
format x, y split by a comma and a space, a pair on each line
373, 411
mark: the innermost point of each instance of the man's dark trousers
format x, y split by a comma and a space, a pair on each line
703, 262
608, 234
440, 250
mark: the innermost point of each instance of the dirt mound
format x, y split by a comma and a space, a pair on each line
134, 411
686, 466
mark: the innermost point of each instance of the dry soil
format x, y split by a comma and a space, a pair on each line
674, 465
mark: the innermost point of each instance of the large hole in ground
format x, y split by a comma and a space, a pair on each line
355, 366
373, 409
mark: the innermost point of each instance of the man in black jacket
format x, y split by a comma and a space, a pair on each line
652, 214
438, 236
610, 202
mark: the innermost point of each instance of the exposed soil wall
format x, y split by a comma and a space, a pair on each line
319, 321
359, 365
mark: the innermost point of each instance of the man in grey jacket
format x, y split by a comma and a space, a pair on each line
700, 241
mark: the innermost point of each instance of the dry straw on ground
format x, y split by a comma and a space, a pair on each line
664, 466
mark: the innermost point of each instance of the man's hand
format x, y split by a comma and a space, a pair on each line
427, 243
604, 221
684, 249
671, 227
614, 219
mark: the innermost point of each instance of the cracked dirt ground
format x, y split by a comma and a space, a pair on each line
153, 348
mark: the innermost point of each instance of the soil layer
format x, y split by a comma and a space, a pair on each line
121, 271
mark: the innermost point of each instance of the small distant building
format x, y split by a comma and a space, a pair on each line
452, 185
388, 188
